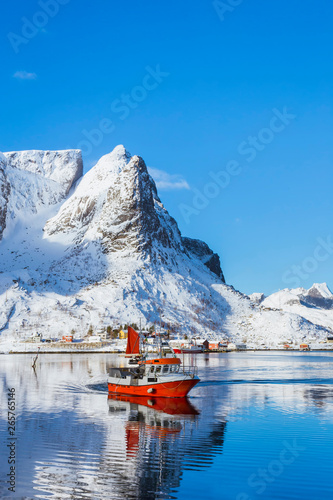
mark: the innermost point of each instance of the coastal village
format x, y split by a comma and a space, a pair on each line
115, 341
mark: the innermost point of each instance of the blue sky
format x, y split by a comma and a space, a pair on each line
199, 94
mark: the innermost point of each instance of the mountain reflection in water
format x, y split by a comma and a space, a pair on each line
76, 442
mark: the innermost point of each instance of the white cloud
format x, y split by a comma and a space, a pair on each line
24, 75
167, 181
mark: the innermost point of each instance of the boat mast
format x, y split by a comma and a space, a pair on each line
142, 345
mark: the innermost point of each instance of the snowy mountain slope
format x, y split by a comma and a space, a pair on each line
62, 167
35, 180
103, 250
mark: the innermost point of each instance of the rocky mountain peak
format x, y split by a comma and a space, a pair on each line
116, 208
319, 295
116, 203
320, 290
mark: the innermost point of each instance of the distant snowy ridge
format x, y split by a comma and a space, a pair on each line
102, 250
315, 304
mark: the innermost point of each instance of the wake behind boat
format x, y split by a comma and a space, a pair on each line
161, 376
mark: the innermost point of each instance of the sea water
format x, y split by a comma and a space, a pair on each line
258, 426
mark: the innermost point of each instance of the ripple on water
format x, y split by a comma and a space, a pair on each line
283, 381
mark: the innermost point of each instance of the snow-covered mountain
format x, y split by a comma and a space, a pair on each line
315, 304
101, 249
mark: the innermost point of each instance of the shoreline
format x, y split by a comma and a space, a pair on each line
95, 351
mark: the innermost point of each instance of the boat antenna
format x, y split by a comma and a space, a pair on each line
161, 350
142, 345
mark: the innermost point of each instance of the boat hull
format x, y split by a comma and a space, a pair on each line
174, 389
178, 350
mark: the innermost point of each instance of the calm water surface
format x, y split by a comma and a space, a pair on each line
258, 426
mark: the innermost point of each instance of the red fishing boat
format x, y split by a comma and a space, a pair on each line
160, 377
192, 349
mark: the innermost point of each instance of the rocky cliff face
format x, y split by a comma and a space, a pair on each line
4, 194
205, 254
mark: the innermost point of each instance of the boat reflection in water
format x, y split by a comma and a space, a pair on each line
161, 435
159, 417
170, 406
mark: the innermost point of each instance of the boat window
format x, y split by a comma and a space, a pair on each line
158, 369
152, 369
165, 369
176, 368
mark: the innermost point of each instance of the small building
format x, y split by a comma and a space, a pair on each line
212, 346
330, 339
122, 334
205, 344
37, 337
94, 338
67, 338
